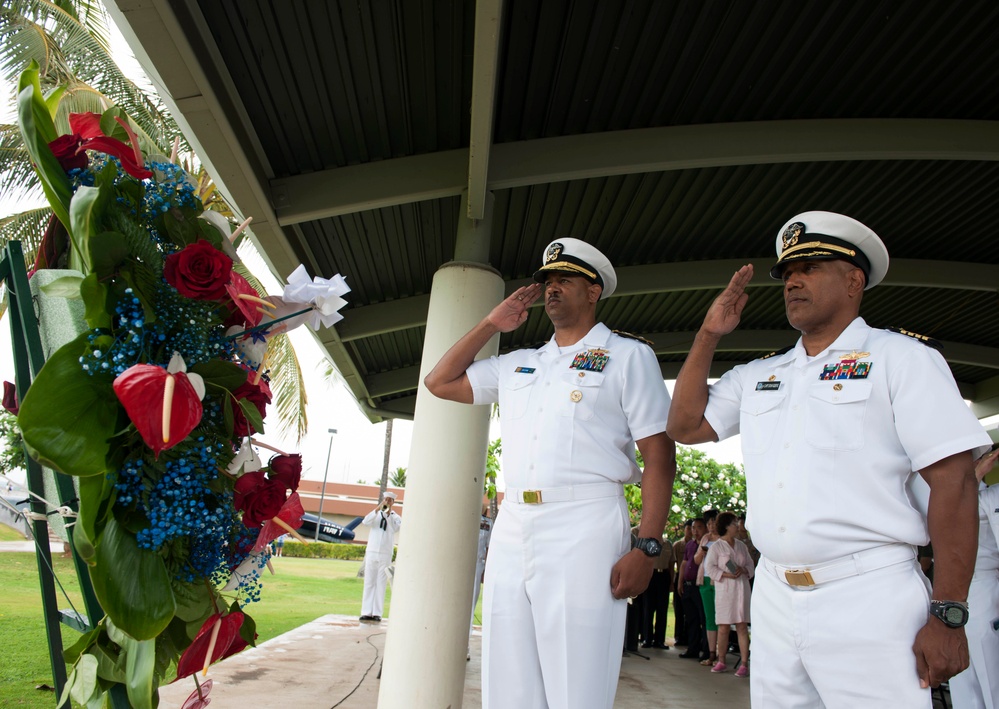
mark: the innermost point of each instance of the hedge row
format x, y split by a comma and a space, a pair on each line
324, 550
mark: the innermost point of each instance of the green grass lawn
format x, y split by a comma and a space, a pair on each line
9, 534
302, 590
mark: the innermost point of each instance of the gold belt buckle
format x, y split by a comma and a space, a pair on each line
799, 578
532, 497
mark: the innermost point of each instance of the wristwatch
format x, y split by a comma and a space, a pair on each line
650, 546
953, 614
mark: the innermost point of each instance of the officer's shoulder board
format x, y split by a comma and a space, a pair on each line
925, 339
778, 352
631, 336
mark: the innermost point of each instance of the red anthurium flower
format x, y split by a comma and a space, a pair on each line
11, 404
259, 394
194, 657
70, 150
198, 271
247, 301
287, 469
290, 513
164, 404
199, 698
258, 498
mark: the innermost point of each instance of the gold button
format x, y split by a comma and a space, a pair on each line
576, 396
837, 387
582, 374
771, 377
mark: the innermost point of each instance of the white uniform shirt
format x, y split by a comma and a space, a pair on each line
988, 536
829, 461
381, 541
564, 426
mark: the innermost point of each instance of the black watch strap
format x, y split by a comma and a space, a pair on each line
953, 614
650, 546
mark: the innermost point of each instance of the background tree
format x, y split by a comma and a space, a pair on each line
701, 483
493, 455
11, 445
398, 477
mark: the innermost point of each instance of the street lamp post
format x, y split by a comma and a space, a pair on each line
322, 493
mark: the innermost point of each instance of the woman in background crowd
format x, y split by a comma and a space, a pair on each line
729, 564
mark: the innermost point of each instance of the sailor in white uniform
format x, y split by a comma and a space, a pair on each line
833, 431
559, 569
384, 523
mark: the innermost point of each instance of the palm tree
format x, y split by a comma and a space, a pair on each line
70, 42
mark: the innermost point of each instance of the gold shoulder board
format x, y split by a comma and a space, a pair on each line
630, 336
778, 352
925, 339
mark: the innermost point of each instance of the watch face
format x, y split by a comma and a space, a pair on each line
954, 615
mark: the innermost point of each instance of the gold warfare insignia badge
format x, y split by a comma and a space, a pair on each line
791, 235
554, 251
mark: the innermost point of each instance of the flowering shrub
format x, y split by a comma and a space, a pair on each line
150, 407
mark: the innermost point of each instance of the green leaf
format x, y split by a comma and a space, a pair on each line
194, 602
227, 416
108, 251
110, 127
224, 375
139, 665
248, 630
43, 117
76, 650
252, 414
64, 698
95, 295
65, 287
52, 99
86, 679
35, 123
97, 496
108, 667
83, 213
132, 584
67, 417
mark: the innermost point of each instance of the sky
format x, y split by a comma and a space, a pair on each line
356, 451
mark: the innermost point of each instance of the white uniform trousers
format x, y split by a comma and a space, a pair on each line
375, 580
844, 644
978, 686
552, 632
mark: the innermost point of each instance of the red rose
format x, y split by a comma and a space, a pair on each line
198, 271
259, 395
258, 498
287, 470
11, 403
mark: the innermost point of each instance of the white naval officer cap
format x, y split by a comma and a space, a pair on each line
389, 493
823, 236
570, 255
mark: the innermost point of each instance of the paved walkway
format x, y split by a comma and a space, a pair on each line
28, 546
334, 661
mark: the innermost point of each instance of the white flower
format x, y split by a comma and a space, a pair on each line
676, 508
706, 486
735, 495
742, 503
177, 364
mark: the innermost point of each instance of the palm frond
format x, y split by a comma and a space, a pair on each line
17, 175
288, 386
137, 239
28, 227
69, 52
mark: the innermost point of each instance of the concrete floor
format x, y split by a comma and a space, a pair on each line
334, 660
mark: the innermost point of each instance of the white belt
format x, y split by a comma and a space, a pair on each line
853, 565
590, 491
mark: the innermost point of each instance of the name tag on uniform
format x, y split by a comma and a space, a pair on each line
524, 370
767, 386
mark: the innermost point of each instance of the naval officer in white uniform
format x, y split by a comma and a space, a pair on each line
833, 431
978, 686
560, 566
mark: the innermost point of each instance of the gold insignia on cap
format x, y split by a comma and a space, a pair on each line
790, 236
554, 251
576, 396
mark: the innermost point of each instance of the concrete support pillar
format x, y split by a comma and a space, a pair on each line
432, 593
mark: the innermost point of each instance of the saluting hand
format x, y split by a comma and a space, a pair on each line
512, 312
726, 310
